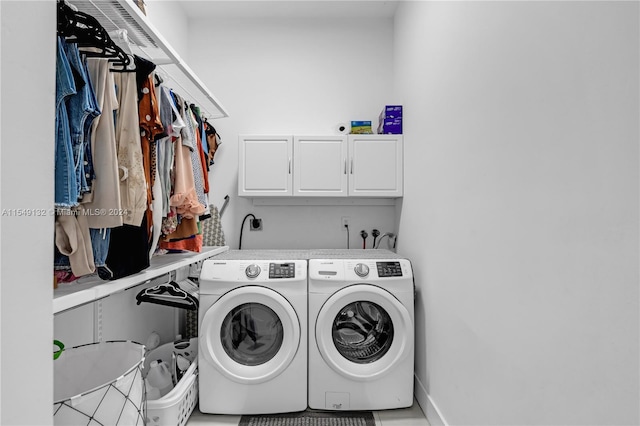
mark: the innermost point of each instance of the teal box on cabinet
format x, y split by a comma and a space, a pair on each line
361, 127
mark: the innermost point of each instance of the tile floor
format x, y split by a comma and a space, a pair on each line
412, 416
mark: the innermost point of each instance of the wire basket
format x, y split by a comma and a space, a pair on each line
175, 407
100, 383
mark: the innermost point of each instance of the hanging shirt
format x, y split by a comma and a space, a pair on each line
150, 128
202, 147
103, 202
133, 185
173, 124
196, 163
184, 197
212, 141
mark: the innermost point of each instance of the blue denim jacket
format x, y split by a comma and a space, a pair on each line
66, 182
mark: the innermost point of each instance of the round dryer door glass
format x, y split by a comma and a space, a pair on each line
251, 334
362, 332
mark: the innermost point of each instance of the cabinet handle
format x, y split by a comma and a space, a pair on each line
351, 165
345, 166
289, 165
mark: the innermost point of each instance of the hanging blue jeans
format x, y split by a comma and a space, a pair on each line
66, 183
81, 114
100, 243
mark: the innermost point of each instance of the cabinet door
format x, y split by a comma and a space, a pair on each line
320, 166
376, 165
265, 167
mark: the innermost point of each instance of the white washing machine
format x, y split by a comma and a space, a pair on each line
252, 355
361, 333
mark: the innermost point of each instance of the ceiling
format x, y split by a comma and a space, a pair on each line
289, 8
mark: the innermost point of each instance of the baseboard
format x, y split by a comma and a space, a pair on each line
434, 417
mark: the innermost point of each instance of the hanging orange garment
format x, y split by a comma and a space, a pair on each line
212, 141
189, 244
187, 236
150, 128
203, 163
187, 228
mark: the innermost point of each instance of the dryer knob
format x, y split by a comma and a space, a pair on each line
252, 271
361, 270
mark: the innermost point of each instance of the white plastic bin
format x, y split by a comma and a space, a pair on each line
100, 383
175, 407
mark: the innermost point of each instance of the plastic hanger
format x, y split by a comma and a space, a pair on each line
168, 294
83, 29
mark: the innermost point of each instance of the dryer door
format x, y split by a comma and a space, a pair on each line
251, 334
363, 331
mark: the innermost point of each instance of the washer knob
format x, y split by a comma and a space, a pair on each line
361, 270
252, 271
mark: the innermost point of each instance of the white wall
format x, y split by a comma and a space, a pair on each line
27, 148
171, 22
521, 150
292, 76
26, 247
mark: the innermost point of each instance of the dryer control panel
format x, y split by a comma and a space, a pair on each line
389, 269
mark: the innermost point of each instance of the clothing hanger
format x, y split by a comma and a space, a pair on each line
121, 39
168, 294
83, 29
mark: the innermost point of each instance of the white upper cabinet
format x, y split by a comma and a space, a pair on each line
265, 166
365, 166
376, 166
320, 166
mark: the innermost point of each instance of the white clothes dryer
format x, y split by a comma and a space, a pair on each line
252, 355
361, 333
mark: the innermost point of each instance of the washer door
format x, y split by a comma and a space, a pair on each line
363, 331
250, 334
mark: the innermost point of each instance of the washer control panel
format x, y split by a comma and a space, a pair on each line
282, 270
389, 269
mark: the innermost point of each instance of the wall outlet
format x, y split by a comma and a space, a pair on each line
344, 222
255, 225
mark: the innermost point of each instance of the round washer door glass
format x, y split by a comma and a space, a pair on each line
362, 332
251, 334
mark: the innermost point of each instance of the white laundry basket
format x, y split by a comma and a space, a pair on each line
175, 407
100, 383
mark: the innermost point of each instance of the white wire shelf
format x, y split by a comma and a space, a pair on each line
91, 288
147, 42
